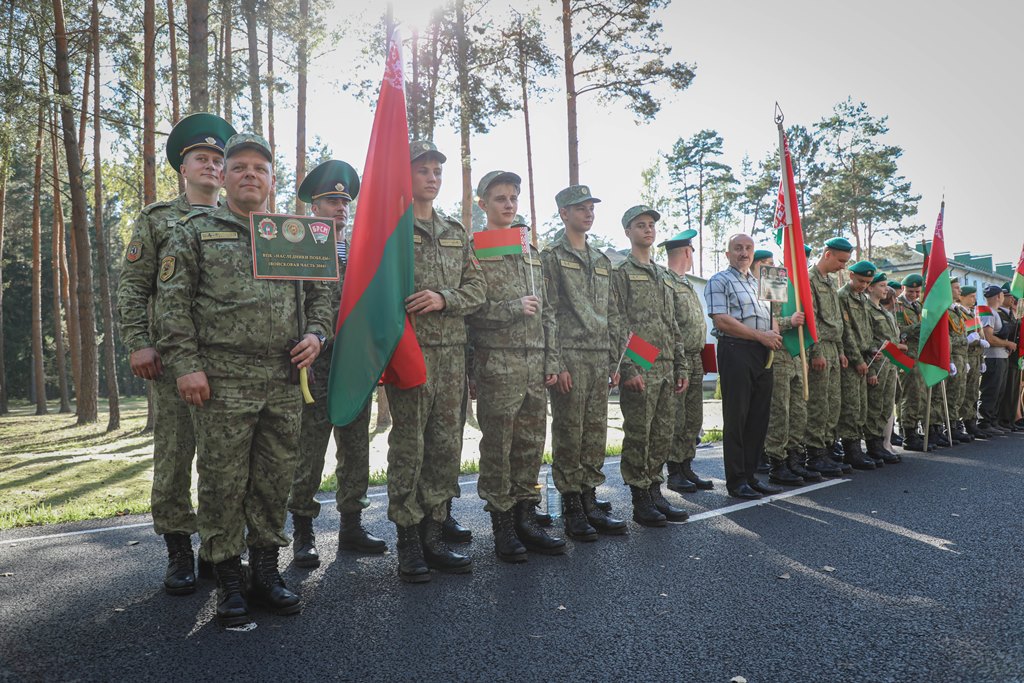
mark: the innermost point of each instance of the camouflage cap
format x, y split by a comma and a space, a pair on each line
418, 148
638, 210
240, 141
497, 177
574, 194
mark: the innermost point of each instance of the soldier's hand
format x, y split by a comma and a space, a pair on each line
564, 380
425, 301
797, 319
636, 385
862, 369
902, 347
531, 304
818, 364
681, 385
613, 380
873, 381
306, 351
194, 388
550, 380
843, 361
145, 363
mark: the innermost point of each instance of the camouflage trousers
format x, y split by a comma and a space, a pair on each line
248, 444
511, 405
648, 421
914, 400
174, 445
579, 422
853, 408
824, 398
788, 417
689, 414
956, 387
881, 399
425, 443
968, 408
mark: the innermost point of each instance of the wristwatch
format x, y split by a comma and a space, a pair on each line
322, 338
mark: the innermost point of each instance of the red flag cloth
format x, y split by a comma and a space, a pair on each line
933, 350
897, 357
708, 358
641, 352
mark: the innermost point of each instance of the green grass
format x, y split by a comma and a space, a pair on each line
711, 435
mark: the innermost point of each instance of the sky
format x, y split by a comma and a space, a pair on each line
947, 75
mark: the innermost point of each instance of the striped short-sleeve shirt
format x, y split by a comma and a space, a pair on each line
735, 294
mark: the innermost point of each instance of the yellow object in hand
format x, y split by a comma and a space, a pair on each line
304, 385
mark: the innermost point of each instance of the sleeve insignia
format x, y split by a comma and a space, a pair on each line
134, 252
166, 268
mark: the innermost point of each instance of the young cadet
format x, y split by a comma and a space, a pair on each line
881, 379
329, 189
976, 344
858, 347
425, 443
956, 384
195, 149
578, 280
646, 308
513, 353
913, 398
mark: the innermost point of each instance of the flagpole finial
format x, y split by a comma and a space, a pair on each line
779, 116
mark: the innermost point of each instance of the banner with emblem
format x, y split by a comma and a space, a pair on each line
286, 247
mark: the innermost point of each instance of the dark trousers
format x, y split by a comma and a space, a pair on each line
992, 382
746, 406
1008, 402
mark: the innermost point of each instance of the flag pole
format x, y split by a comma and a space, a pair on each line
945, 405
792, 246
927, 418
619, 364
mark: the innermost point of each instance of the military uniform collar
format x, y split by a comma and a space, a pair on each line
563, 241
651, 266
422, 223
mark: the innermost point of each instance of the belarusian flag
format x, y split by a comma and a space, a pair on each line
640, 352
374, 337
498, 242
787, 219
933, 349
984, 314
974, 325
897, 357
1017, 285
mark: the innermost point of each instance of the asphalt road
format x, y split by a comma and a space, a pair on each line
911, 573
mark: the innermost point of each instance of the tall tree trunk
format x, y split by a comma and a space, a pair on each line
462, 43
38, 373
56, 246
228, 85
175, 102
85, 105
109, 347
4, 166
149, 104
415, 93
88, 389
218, 72
570, 94
529, 142
300, 107
69, 277
433, 70
270, 94
255, 92
198, 19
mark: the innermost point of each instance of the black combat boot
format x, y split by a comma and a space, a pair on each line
874, 458
836, 454
180, 578
796, 461
779, 473
677, 481
411, 566
452, 531
577, 526
436, 552
267, 585
206, 570
818, 461
671, 512
877, 451
598, 518
644, 512
702, 484
937, 435
304, 552
895, 439
232, 609
506, 544
912, 441
854, 456
531, 534
975, 431
543, 518
960, 432
605, 505
352, 536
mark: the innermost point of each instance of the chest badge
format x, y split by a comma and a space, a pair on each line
267, 229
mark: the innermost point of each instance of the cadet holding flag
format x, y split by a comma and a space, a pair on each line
881, 378
858, 348
195, 149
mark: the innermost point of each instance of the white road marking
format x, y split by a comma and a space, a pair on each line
763, 501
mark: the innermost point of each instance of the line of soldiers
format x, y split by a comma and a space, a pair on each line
516, 332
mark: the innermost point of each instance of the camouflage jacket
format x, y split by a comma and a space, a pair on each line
908, 317
974, 347
646, 307
444, 263
209, 303
958, 319
857, 339
883, 326
579, 292
500, 322
828, 317
690, 316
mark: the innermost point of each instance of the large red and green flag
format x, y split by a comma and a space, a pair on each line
640, 352
787, 219
933, 350
375, 341
897, 357
1017, 284
498, 242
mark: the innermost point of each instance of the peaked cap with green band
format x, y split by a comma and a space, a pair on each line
913, 280
332, 178
762, 254
638, 210
495, 177
863, 268
839, 244
681, 239
574, 194
239, 141
197, 131
418, 148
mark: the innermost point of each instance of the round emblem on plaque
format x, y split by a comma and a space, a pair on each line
293, 230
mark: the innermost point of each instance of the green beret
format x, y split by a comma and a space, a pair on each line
497, 177
332, 178
418, 148
877, 278
682, 239
839, 244
240, 141
574, 194
913, 280
520, 222
807, 249
1006, 287
967, 289
197, 131
895, 284
762, 254
865, 268
638, 210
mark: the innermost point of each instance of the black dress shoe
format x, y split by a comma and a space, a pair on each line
745, 491
765, 488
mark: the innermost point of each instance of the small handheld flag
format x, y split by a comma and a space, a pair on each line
897, 357
641, 352
501, 242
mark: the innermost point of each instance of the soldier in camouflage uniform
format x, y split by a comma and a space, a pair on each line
859, 348
329, 189
646, 308
967, 411
227, 338
195, 148
513, 353
425, 443
578, 278
913, 398
827, 359
956, 383
882, 374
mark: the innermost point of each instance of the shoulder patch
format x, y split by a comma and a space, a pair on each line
166, 268
218, 235
192, 214
570, 264
449, 242
134, 251
146, 210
